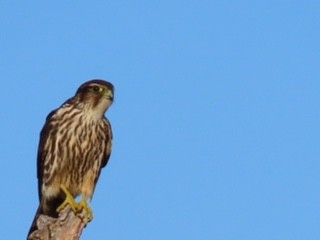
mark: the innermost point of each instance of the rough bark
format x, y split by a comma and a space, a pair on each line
67, 226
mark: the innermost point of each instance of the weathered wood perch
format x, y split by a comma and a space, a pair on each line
67, 226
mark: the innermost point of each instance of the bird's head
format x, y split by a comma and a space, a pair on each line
96, 95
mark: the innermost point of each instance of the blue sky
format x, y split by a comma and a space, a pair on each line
215, 120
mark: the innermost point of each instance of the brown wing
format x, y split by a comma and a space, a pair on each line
107, 153
42, 152
108, 129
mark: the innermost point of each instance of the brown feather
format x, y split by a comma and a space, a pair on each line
75, 144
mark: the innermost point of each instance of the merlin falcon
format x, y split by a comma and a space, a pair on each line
75, 144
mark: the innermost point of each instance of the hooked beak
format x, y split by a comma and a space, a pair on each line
109, 95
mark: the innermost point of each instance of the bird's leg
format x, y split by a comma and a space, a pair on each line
68, 201
81, 209
84, 208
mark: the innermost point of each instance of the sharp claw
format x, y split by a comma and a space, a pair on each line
69, 200
81, 209
85, 209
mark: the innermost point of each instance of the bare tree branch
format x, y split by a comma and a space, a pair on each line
67, 226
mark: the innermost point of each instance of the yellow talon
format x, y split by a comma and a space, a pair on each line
84, 207
81, 209
68, 201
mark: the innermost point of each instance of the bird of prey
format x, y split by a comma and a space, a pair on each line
75, 144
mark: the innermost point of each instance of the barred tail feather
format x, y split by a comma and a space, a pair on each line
34, 222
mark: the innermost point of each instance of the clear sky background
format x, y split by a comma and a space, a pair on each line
215, 119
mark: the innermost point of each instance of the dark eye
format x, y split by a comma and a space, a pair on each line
96, 88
